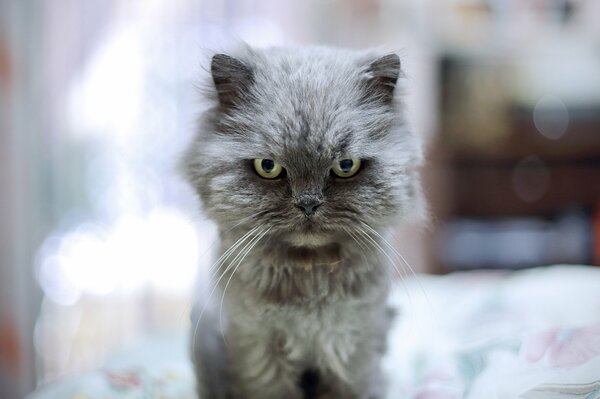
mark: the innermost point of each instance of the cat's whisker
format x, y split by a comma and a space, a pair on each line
365, 247
214, 269
376, 245
212, 244
389, 245
360, 244
237, 257
400, 275
216, 282
240, 253
247, 251
399, 255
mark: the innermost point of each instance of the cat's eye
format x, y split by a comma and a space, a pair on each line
267, 168
347, 167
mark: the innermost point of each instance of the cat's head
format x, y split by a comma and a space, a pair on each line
307, 141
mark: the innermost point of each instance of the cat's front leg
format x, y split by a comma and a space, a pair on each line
363, 380
365, 383
263, 369
350, 359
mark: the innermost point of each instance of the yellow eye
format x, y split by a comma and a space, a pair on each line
267, 168
346, 167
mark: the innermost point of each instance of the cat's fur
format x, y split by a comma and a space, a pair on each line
307, 302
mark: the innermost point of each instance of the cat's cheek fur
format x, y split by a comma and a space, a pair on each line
300, 293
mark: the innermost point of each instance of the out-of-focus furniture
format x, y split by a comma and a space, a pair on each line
519, 162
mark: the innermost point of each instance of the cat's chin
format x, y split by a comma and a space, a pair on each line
310, 240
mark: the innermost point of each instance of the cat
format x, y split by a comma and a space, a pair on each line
304, 162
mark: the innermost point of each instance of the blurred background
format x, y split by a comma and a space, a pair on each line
100, 239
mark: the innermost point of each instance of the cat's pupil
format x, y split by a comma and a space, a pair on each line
267, 165
346, 165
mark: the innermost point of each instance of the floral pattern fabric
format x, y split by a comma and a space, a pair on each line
498, 335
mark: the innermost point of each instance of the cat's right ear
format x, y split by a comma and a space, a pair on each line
232, 79
382, 76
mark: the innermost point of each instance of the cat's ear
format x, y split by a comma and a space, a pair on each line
382, 76
232, 79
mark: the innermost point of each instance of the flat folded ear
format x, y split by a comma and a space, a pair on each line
232, 79
382, 76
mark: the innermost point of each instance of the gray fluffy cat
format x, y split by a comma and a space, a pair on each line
303, 162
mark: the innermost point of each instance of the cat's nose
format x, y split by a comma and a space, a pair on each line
308, 204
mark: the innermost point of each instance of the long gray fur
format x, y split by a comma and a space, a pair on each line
310, 293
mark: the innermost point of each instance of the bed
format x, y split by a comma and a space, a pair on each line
479, 335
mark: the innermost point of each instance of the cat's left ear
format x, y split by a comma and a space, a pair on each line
232, 79
382, 76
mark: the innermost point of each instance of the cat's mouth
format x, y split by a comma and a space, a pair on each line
309, 233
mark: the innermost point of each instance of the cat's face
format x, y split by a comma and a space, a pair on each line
307, 142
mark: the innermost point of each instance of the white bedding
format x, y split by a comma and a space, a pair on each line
478, 335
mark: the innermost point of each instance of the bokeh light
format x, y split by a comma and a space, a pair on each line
551, 117
162, 250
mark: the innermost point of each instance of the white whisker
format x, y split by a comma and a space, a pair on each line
214, 269
365, 247
213, 242
215, 283
387, 243
372, 240
399, 255
376, 244
256, 240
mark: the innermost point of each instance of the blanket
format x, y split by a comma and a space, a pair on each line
496, 335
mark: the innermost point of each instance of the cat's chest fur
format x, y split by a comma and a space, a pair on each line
310, 278
311, 315
311, 300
